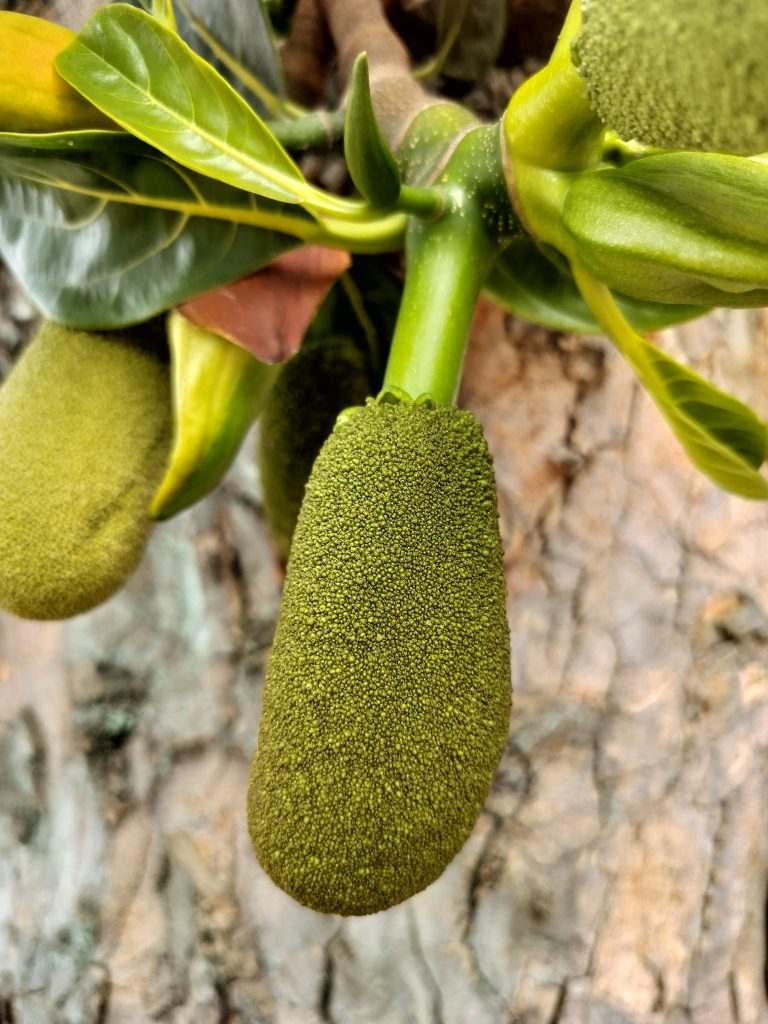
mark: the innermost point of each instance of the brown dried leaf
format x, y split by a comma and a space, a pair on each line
269, 311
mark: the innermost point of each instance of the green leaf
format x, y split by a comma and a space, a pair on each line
151, 83
74, 141
105, 238
675, 227
371, 164
722, 436
235, 37
528, 284
218, 391
728, 194
472, 33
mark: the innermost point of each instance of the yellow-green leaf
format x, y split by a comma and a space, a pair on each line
218, 391
150, 82
723, 437
33, 97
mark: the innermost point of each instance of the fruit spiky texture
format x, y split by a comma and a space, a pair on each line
678, 74
387, 698
313, 388
84, 438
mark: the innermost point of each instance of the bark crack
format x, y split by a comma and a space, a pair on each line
431, 980
328, 979
559, 1007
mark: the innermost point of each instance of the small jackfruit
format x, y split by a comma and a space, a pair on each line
387, 698
322, 379
84, 437
678, 74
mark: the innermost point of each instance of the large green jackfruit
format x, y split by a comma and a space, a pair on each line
388, 690
321, 380
678, 74
84, 438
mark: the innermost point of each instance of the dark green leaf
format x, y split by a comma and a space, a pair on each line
531, 286
477, 29
152, 84
239, 27
675, 227
104, 239
371, 165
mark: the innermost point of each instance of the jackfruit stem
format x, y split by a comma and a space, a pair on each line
446, 264
549, 122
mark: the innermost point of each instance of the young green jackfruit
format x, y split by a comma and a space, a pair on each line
678, 74
84, 437
313, 388
387, 697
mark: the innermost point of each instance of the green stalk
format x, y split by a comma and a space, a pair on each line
316, 130
446, 265
549, 122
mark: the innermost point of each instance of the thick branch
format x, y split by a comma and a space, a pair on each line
306, 52
360, 25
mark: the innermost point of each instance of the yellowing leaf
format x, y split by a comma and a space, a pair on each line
33, 97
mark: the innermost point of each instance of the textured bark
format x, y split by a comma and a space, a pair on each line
618, 874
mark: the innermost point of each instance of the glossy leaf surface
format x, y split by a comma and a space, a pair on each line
104, 239
150, 82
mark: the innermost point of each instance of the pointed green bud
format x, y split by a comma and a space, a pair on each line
219, 389
387, 698
84, 438
371, 164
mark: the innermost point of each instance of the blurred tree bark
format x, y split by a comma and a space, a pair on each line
619, 872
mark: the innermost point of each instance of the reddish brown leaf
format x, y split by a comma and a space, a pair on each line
269, 312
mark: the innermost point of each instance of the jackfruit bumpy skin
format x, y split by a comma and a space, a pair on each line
84, 438
320, 381
387, 698
678, 74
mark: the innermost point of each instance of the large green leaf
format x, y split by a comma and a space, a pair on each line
675, 227
722, 436
151, 83
529, 285
104, 238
